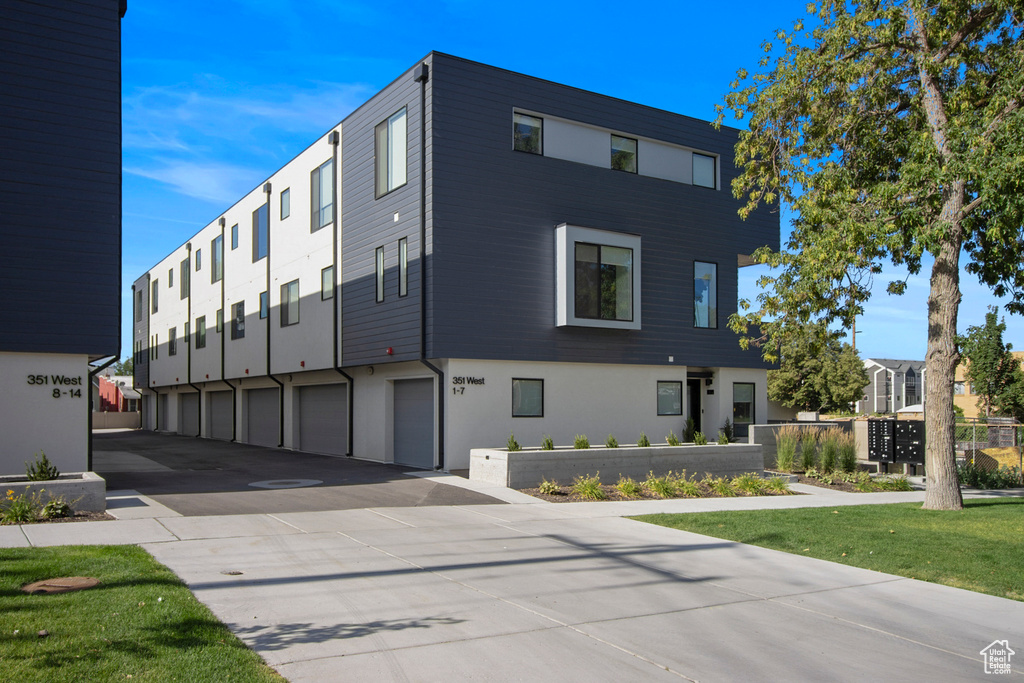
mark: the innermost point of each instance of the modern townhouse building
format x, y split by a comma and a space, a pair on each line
471, 253
60, 224
892, 385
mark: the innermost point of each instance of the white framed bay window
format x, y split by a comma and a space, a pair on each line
598, 278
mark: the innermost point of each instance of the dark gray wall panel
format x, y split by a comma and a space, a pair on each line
414, 422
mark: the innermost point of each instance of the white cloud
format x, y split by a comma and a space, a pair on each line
222, 183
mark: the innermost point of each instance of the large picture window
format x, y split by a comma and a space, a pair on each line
260, 228
527, 134
705, 294
670, 398
704, 170
527, 398
598, 279
391, 150
321, 182
290, 303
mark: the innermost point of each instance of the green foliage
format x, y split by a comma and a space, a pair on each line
41, 469
699, 439
728, 430
21, 508
785, 447
580, 441
991, 368
689, 429
643, 441
549, 488
588, 487
663, 486
124, 367
830, 449
817, 372
688, 487
777, 485
847, 452
969, 474
611, 442
892, 483
749, 483
56, 508
808, 447
720, 485
629, 488
547, 444
672, 439
513, 445
723, 438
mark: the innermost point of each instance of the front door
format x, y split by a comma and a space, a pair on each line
693, 393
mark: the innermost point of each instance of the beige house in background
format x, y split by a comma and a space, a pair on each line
963, 392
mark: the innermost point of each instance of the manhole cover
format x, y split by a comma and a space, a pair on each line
285, 483
64, 584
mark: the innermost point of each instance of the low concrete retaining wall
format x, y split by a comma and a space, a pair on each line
83, 491
526, 469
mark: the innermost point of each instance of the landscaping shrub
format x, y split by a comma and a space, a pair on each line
830, 449
748, 483
588, 487
629, 488
663, 486
548, 488
580, 441
688, 487
21, 508
808, 445
727, 429
689, 430
56, 508
720, 485
777, 485
699, 439
643, 441
847, 452
723, 439
977, 477
547, 444
513, 445
611, 442
41, 469
785, 447
672, 439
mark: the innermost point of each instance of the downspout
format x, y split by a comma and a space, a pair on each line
267, 188
188, 346
422, 76
92, 373
335, 139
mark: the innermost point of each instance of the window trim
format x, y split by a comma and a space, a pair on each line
285, 203
316, 205
636, 154
234, 237
382, 149
286, 304
154, 297
527, 379
326, 288
753, 402
566, 238
217, 250
256, 254
170, 278
714, 170
264, 304
220, 320
172, 341
201, 332
378, 266
712, 324
403, 266
540, 146
679, 384
238, 321
199, 260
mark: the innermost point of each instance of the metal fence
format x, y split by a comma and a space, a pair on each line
975, 434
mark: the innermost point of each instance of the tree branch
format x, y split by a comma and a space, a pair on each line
973, 23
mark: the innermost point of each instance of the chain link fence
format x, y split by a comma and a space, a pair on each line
989, 442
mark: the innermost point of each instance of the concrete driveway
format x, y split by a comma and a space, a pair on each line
204, 477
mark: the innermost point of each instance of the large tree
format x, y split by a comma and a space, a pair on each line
991, 367
817, 371
894, 131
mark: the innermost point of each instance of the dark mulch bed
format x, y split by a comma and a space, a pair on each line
79, 517
565, 495
838, 486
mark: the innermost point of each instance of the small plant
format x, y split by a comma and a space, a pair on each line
699, 439
748, 483
56, 508
808, 445
894, 483
689, 430
688, 487
663, 486
21, 508
672, 439
848, 452
629, 488
41, 469
728, 430
830, 449
513, 445
580, 441
549, 488
723, 438
975, 476
547, 444
611, 442
643, 441
777, 485
720, 485
785, 450
588, 487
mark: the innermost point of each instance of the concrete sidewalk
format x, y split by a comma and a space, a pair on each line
553, 592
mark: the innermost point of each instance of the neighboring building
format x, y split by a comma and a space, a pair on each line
470, 253
893, 385
963, 392
60, 228
116, 394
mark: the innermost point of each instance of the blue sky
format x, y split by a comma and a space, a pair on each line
218, 95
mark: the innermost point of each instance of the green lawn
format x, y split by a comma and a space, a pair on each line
140, 624
980, 548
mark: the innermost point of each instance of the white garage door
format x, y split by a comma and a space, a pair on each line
323, 419
264, 418
414, 422
188, 414
218, 414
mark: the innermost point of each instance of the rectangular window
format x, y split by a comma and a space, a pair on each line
154, 350
623, 154
959, 389
286, 203
742, 407
391, 151
527, 397
705, 295
264, 305
321, 182
172, 341
403, 266
604, 282
220, 320
199, 259
670, 398
155, 295
170, 278
201, 332
327, 283
234, 236
238, 320
260, 226
704, 170
379, 259
217, 247
290, 303
527, 134
187, 335
138, 306
183, 280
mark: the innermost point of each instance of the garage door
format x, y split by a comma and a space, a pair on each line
263, 417
414, 422
218, 414
323, 419
188, 414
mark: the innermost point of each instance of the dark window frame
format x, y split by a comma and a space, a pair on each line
378, 268
326, 287
712, 324
403, 266
517, 145
201, 332
264, 304
154, 297
220, 320
527, 379
317, 208
753, 403
238, 320
234, 237
382, 134
199, 260
679, 385
635, 157
260, 232
217, 249
172, 341
287, 302
714, 170
576, 288
183, 280
285, 202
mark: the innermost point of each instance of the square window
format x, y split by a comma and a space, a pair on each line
220, 320
327, 283
217, 247
403, 266
264, 305
527, 134
156, 295
290, 303
199, 259
598, 278
321, 181
705, 295
379, 267
527, 397
623, 154
172, 341
234, 236
260, 227
201, 332
391, 149
286, 203
183, 280
238, 320
704, 170
670, 398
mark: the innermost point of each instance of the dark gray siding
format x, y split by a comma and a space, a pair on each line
494, 212
369, 328
60, 176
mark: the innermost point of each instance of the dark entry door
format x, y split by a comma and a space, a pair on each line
693, 393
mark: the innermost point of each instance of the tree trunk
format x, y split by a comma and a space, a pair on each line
942, 487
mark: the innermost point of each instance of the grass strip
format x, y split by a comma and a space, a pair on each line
979, 548
141, 623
